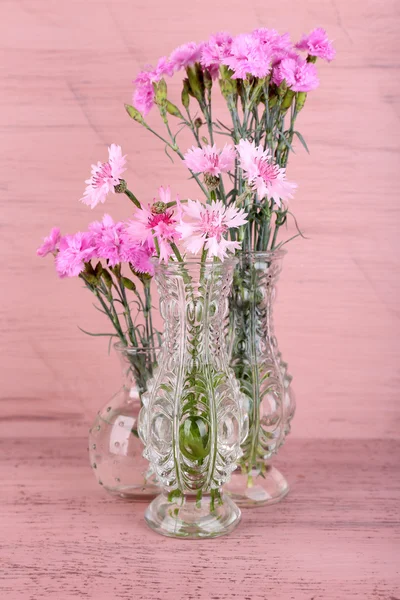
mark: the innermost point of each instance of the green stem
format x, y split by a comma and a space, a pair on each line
133, 198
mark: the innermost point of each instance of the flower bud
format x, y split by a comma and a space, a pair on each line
198, 123
121, 187
134, 114
158, 208
174, 110
211, 181
160, 91
207, 79
185, 93
300, 100
196, 82
287, 100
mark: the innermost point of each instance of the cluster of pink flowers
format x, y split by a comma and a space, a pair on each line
258, 54
105, 240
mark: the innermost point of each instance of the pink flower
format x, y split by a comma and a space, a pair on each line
107, 239
272, 39
206, 226
105, 176
249, 56
299, 75
75, 251
262, 174
210, 160
148, 224
138, 256
317, 44
215, 50
112, 243
186, 55
50, 243
143, 96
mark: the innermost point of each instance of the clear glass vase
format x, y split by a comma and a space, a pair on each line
115, 449
192, 421
263, 378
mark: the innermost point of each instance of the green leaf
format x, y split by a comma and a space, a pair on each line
134, 114
128, 283
302, 140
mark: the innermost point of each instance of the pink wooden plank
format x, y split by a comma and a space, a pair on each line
336, 536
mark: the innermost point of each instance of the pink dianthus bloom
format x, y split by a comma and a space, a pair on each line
248, 56
262, 174
105, 176
112, 243
316, 43
107, 239
206, 225
210, 160
215, 50
186, 55
143, 96
300, 75
50, 243
149, 224
75, 251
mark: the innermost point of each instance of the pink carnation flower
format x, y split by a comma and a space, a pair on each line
138, 255
186, 55
75, 251
299, 75
112, 243
206, 225
105, 176
50, 243
317, 44
143, 96
215, 50
107, 239
249, 56
148, 224
262, 174
272, 39
210, 160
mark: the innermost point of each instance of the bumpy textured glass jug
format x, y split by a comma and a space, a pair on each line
115, 448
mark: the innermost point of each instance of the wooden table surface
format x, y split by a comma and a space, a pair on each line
68, 71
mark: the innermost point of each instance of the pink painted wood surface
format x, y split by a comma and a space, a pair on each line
68, 68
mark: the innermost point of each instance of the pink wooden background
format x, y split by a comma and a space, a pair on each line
68, 71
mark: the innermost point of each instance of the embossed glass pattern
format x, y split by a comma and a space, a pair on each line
192, 421
263, 377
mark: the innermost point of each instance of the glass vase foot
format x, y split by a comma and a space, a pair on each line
188, 518
252, 489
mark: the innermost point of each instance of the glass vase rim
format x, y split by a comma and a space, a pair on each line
132, 350
193, 260
278, 253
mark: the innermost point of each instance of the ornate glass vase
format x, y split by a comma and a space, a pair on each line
192, 422
263, 378
115, 448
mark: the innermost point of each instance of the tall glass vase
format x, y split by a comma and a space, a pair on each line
263, 377
192, 422
115, 449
